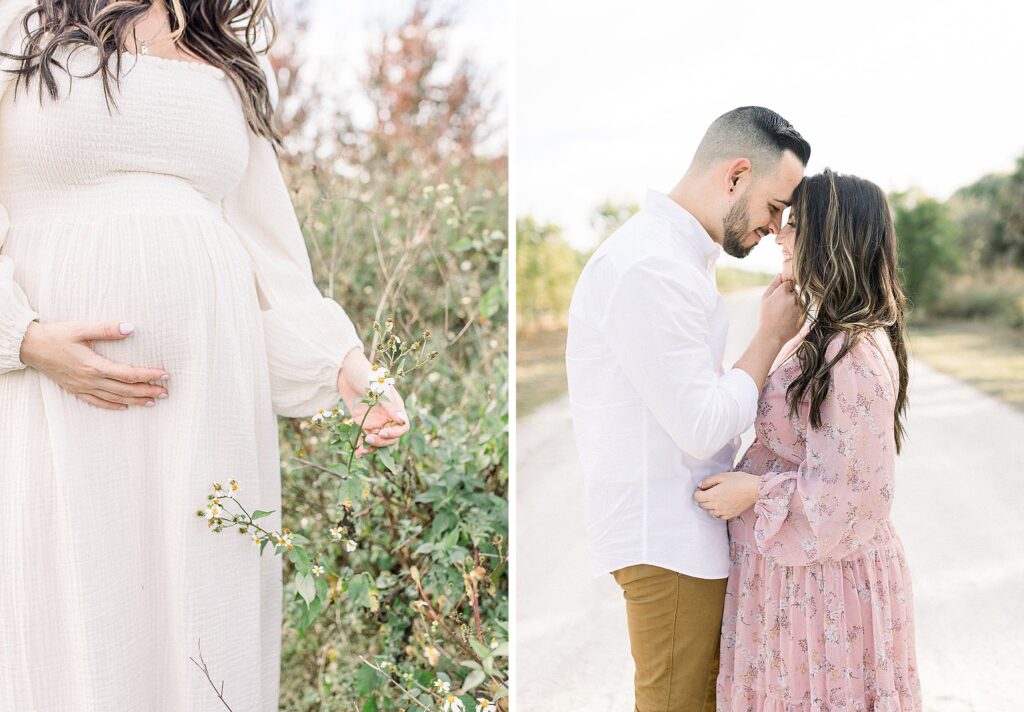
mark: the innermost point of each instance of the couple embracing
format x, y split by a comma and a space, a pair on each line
775, 584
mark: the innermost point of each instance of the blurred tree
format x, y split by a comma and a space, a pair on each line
546, 271
975, 209
424, 114
1008, 242
927, 238
609, 216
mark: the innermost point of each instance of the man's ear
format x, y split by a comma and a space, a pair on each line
737, 173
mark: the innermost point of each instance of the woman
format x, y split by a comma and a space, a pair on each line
157, 308
818, 611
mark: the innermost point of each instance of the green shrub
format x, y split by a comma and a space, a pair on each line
996, 295
425, 595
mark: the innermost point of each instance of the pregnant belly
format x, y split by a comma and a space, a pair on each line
183, 280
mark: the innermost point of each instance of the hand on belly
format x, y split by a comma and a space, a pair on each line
63, 352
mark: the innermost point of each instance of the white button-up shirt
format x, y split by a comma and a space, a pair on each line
652, 410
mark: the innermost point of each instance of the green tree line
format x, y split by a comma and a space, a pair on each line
959, 258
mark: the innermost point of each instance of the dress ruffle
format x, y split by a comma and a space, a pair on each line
835, 635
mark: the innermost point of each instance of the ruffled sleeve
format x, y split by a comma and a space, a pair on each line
307, 335
15, 312
832, 503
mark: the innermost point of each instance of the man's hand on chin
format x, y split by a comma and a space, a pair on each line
727, 494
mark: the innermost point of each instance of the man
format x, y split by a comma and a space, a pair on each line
652, 410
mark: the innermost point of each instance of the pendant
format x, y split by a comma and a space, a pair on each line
145, 47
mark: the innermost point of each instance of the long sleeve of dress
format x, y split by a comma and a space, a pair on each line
15, 312
831, 504
307, 335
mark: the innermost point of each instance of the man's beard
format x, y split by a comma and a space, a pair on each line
734, 228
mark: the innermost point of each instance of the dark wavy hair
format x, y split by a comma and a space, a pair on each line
223, 33
845, 264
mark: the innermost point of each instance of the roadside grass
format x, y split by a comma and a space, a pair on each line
987, 355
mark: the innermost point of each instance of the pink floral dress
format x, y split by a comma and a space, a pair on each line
818, 610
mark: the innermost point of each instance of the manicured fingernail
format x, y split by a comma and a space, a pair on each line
165, 377
402, 416
369, 439
126, 328
162, 395
150, 404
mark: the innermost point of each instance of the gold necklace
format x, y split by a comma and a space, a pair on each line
144, 44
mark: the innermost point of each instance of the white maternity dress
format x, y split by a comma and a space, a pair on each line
169, 213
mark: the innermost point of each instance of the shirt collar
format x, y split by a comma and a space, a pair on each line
685, 224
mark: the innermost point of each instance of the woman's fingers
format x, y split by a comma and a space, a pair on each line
100, 403
391, 433
132, 390
104, 331
118, 398
128, 374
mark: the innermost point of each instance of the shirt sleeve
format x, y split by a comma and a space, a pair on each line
15, 312
832, 503
657, 327
307, 335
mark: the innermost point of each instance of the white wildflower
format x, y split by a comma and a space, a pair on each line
453, 704
380, 378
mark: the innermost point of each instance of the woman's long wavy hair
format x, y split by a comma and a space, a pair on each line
222, 33
845, 264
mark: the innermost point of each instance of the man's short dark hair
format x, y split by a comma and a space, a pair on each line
752, 132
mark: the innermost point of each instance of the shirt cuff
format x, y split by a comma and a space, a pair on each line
742, 387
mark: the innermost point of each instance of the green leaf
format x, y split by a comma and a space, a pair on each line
300, 558
322, 587
491, 302
367, 680
387, 460
360, 589
479, 648
259, 514
306, 587
473, 680
351, 488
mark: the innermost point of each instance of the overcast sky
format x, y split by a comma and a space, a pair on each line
613, 97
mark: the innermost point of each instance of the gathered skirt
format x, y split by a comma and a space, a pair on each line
111, 583
836, 635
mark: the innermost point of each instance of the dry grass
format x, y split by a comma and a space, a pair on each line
540, 369
986, 355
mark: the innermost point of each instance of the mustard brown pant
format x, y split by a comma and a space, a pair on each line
675, 622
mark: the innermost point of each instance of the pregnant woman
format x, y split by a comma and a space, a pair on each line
157, 308
818, 608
